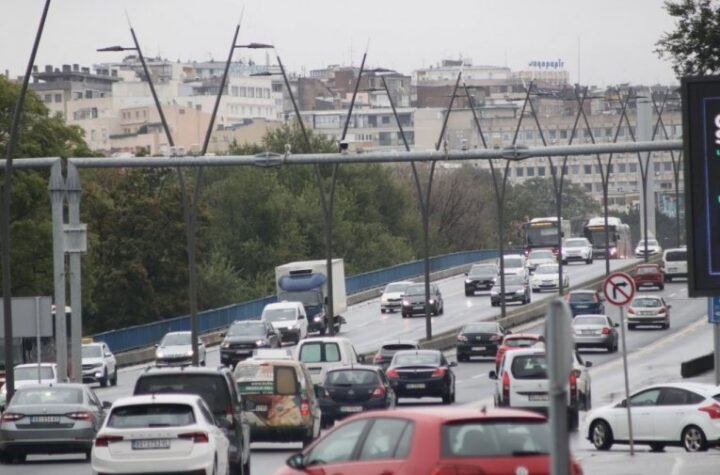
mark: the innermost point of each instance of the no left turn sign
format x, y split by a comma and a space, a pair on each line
619, 288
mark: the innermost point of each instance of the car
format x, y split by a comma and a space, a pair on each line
538, 257
515, 264
99, 364
388, 349
653, 248
55, 418
585, 301
175, 349
480, 277
595, 331
447, 441
547, 277
392, 296
217, 387
512, 341
26, 374
648, 275
517, 289
674, 263
577, 249
479, 339
279, 396
422, 373
648, 310
288, 318
323, 354
675, 414
243, 337
414, 301
354, 389
172, 433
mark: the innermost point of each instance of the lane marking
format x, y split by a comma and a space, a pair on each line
677, 466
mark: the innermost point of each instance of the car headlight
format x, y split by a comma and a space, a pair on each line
261, 342
406, 303
159, 354
189, 353
468, 281
431, 302
462, 338
318, 318
493, 292
225, 344
383, 299
520, 291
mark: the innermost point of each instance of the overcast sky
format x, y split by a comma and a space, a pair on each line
614, 38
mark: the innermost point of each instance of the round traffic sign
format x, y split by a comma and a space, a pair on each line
619, 288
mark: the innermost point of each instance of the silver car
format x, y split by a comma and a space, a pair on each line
175, 349
50, 419
595, 331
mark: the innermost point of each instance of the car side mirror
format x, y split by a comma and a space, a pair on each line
466, 273
223, 422
616, 325
319, 390
588, 364
296, 461
106, 404
492, 375
452, 364
361, 358
669, 306
301, 317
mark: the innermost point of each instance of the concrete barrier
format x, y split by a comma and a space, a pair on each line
697, 366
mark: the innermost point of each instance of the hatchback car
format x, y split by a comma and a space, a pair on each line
577, 249
387, 350
595, 331
547, 277
414, 301
648, 310
676, 414
175, 349
479, 339
422, 373
674, 263
392, 296
538, 257
517, 289
585, 301
244, 337
515, 341
480, 277
439, 442
653, 248
648, 275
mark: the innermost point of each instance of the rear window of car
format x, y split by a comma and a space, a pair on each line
676, 256
398, 347
529, 367
151, 415
42, 396
266, 378
416, 358
320, 352
646, 302
495, 438
212, 388
31, 373
520, 342
481, 328
589, 321
578, 297
513, 262
352, 378
647, 270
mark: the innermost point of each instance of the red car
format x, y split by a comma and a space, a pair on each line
446, 441
511, 342
648, 275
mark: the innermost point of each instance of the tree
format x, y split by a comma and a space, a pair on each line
693, 45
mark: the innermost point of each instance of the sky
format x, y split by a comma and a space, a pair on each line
601, 42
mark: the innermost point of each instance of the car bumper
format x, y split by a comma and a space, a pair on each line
280, 433
333, 410
476, 349
475, 286
421, 388
508, 298
47, 441
648, 320
575, 258
231, 357
545, 286
199, 461
414, 309
287, 334
584, 311
391, 306
593, 341
649, 283
94, 375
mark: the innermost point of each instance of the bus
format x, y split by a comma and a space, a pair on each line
620, 245
542, 233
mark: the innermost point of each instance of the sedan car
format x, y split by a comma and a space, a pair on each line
480, 277
422, 373
676, 414
585, 302
595, 331
517, 289
244, 337
175, 433
653, 248
392, 296
388, 349
538, 257
547, 277
648, 275
577, 249
50, 419
515, 341
648, 310
354, 389
414, 301
175, 349
479, 339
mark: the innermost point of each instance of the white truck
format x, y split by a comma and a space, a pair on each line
307, 282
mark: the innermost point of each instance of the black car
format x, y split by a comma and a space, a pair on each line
243, 337
585, 302
479, 339
414, 301
480, 277
422, 373
354, 389
517, 289
388, 349
217, 388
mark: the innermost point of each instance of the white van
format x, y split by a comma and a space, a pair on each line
288, 318
323, 354
515, 264
674, 263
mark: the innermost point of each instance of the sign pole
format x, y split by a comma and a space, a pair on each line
627, 380
716, 352
37, 336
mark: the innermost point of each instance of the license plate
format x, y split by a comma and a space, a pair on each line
150, 444
478, 348
260, 408
415, 386
45, 419
419, 307
351, 408
538, 397
587, 332
242, 352
582, 306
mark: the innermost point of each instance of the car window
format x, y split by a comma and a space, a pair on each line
383, 439
541, 255
151, 415
520, 342
547, 269
481, 328
576, 243
646, 302
580, 320
279, 314
319, 352
256, 328
646, 398
352, 377
206, 413
679, 397
582, 297
211, 387
28, 373
646, 270
513, 262
399, 346
176, 339
513, 280
266, 379
402, 359
396, 287
529, 367
676, 256
339, 446
92, 351
487, 439
47, 396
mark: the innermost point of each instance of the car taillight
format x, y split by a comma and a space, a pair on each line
456, 470
391, 373
11, 417
506, 388
661, 312
79, 416
197, 437
713, 410
606, 331
438, 372
379, 392
304, 408
105, 440
573, 383
229, 409
462, 338
378, 357
631, 311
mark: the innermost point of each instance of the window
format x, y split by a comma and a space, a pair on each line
529, 367
587, 169
645, 398
48, 396
519, 171
285, 381
679, 397
541, 171
339, 447
632, 167
213, 388
258, 92
621, 168
587, 186
151, 415
48, 98
384, 438
667, 166
530, 171
575, 169
318, 352
495, 439
656, 166
58, 97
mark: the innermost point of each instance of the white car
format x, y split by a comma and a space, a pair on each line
98, 364
653, 248
288, 318
538, 257
547, 277
679, 414
391, 299
515, 264
674, 262
577, 249
26, 374
160, 433
175, 349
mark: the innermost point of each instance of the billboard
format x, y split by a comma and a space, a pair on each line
23, 317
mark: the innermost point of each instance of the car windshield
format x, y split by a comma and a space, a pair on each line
247, 328
547, 269
396, 287
541, 255
514, 280
47, 396
144, 416
496, 438
647, 270
513, 262
575, 243
582, 297
352, 377
481, 328
520, 342
409, 359
415, 289
398, 347
29, 373
646, 302
318, 352
279, 314
482, 270
92, 351
580, 320
213, 388
529, 367
176, 339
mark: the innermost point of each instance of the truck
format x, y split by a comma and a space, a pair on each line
307, 282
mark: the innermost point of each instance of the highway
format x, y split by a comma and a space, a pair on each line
654, 356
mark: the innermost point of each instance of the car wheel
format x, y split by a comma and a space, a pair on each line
661, 287
4, 457
694, 440
382, 310
452, 400
447, 397
469, 293
564, 263
588, 261
104, 380
610, 347
236, 468
460, 357
322, 331
307, 440
404, 315
113, 380
535, 291
657, 447
442, 309
668, 279
601, 435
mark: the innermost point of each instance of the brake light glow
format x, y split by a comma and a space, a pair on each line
631, 310
606, 331
79, 416
573, 383
378, 357
105, 440
438, 372
11, 417
378, 392
197, 437
391, 373
229, 409
713, 410
304, 408
506, 389
456, 470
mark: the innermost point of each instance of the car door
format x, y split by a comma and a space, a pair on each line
109, 359
333, 455
644, 410
672, 410
384, 448
240, 431
96, 408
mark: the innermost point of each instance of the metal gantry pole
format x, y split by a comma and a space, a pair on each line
57, 197
74, 190
627, 380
